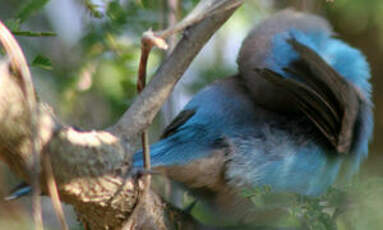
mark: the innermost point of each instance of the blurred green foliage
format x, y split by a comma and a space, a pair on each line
355, 206
29, 8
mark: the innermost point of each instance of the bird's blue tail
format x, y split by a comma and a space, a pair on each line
178, 149
21, 190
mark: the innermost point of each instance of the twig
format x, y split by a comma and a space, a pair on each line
109, 150
147, 42
204, 9
150, 39
53, 193
36, 189
20, 68
18, 63
143, 110
173, 15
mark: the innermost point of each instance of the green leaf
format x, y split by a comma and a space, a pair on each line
116, 13
93, 9
30, 8
34, 34
42, 62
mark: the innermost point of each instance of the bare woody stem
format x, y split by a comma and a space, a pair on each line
90, 166
146, 46
21, 71
154, 95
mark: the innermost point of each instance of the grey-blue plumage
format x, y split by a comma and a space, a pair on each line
298, 113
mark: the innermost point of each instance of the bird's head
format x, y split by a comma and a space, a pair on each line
335, 74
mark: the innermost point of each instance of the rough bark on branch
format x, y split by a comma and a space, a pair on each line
90, 167
146, 106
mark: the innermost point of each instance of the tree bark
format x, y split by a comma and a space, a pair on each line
91, 167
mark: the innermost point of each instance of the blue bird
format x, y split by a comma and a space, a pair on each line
297, 117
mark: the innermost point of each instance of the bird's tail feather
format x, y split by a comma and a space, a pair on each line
19, 191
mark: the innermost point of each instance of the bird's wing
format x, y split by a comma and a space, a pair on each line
177, 122
322, 94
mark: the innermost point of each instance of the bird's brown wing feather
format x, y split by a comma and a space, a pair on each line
322, 94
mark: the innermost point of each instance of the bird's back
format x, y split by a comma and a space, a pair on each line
270, 124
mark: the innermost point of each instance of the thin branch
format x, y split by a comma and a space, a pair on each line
204, 9
35, 169
34, 34
146, 105
20, 67
87, 165
173, 15
147, 42
18, 63
53, 193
